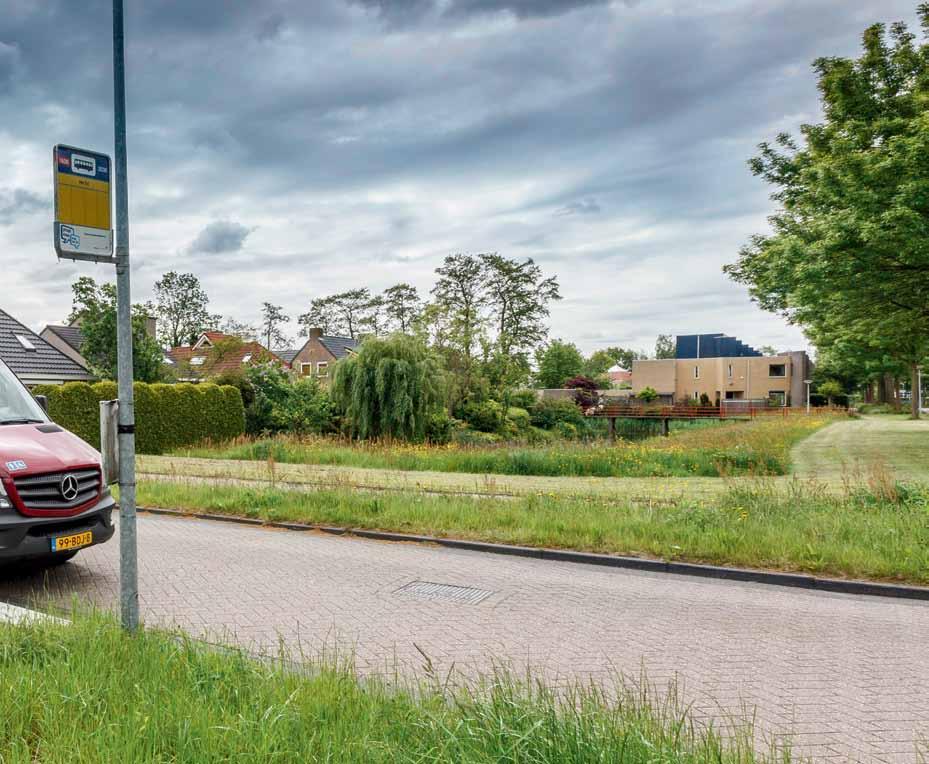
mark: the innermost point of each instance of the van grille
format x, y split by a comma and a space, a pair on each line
49, 491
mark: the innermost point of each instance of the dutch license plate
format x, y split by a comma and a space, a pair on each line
74, 541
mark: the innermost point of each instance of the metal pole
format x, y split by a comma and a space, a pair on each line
128, 564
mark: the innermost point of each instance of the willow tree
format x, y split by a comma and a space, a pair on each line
848, 254
388, 389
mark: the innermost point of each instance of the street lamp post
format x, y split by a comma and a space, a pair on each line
128, 563
808, 382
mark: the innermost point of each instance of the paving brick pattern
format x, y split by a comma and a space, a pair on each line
843, 678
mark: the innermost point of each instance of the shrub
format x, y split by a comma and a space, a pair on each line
486, 416
566, 430
524, 399
519, 417
585, 391
647, 394
167, 416
306, 408
439, 428
548, 413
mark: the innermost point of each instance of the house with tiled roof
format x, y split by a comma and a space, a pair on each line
34, 360
319, 353
216, 353
70, 339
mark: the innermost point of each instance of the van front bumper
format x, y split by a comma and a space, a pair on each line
24, 538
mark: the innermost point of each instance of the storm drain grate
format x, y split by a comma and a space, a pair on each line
464, 595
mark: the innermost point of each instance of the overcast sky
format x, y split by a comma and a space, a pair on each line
283, 150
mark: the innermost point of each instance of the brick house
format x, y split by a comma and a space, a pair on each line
318, 354
215, 353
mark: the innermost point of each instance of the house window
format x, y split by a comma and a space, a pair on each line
696, 372
730, 371
777, 396
246, 358
197, 360
777, 370
696, 396
24, 341
322, 369
306, 369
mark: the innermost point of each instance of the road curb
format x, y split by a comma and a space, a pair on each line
747, 575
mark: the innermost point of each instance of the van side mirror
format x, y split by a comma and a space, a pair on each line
42, 400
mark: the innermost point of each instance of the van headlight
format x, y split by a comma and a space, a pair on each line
5, 502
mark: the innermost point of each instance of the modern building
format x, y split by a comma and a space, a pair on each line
746, 375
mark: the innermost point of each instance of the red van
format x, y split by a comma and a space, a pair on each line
53, 501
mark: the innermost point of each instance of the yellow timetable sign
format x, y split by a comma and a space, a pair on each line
82, 188
82, 203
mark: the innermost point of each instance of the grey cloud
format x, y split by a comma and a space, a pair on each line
416, 10
219, 237
588, 206
16, 203
469, 135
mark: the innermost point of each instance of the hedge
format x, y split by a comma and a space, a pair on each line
166, 416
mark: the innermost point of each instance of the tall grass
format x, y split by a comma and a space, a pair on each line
878, 531
760, 447
90, 693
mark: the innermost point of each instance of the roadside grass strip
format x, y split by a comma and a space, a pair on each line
92, 693
758, 447
270, 473
876, 530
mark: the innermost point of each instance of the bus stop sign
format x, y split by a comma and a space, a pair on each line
83, 227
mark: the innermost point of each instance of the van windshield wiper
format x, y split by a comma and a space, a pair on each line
21, 421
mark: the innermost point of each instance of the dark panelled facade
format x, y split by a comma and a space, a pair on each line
712, 346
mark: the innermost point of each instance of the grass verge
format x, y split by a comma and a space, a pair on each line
90, 693
879, 532
759, 447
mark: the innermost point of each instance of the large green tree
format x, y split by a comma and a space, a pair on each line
94, 307
460, 298
848, 253
558, 362
402, 307
389, 388
664, 346
518, 297
272, 319
181, 305
346, 314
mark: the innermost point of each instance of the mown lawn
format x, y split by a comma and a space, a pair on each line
878, 532
759, 447
90, 693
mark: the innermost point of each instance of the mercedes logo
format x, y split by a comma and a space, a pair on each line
68, 488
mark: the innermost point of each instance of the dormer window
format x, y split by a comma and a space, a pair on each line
25, 342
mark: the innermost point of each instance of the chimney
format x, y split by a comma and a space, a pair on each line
151, 326
316, 333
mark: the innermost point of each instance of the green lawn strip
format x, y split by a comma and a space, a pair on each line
800, 527
759, 447
90, 693
324, 476
862, 446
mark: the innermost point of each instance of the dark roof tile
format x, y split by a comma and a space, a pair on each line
44, 361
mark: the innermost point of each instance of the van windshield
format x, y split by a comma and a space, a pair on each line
17, 406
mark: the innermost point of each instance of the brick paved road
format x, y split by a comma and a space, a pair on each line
847, 678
